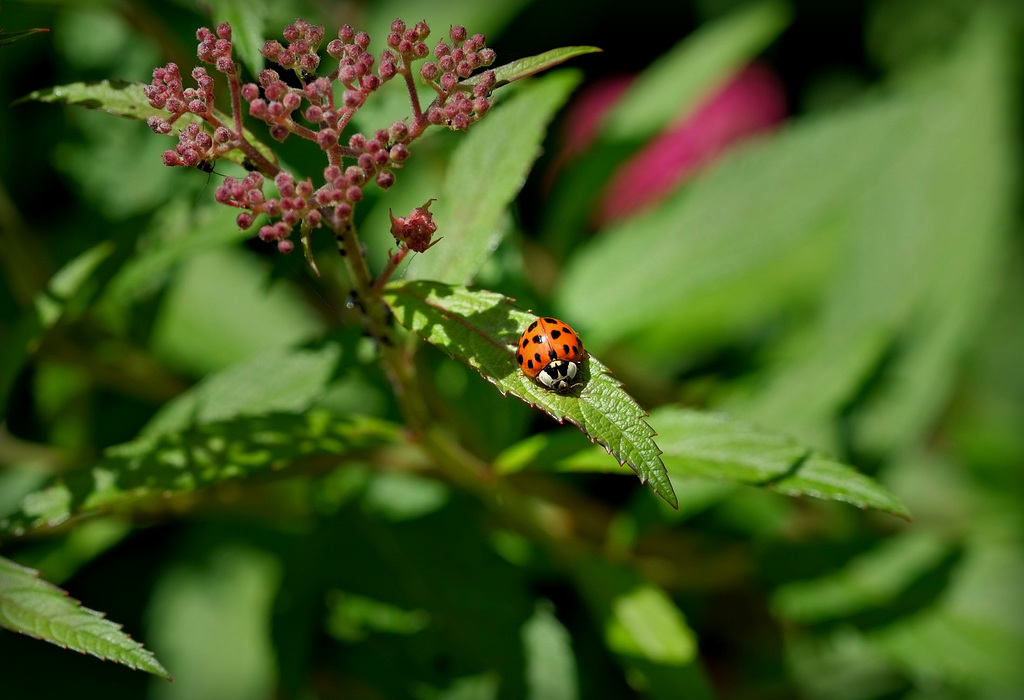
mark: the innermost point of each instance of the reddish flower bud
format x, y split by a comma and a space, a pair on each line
457, 33
415, 230
429, 71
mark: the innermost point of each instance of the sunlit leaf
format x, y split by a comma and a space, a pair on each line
708, 445
482, 329
39, 609
142, 472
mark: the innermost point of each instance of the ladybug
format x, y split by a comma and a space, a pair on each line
549, 352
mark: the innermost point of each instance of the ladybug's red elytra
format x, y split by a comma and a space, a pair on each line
549, 352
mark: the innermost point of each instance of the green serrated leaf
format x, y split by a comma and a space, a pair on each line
531, 65
39, 609
149, 468
482, 328
124, 99
713, 446
696, 65
470, 207
11, 37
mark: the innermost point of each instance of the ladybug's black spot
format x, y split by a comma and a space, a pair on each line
531, 326
519, 358
552, 355
565, 349
565, 329
526, 341
536, 356
538, 339
529, 363
551, 320
555, 334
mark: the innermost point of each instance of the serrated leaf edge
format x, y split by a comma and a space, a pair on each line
603, 369
78, 605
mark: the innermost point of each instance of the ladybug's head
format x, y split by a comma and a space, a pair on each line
558, 375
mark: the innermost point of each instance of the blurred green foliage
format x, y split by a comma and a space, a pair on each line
853, 280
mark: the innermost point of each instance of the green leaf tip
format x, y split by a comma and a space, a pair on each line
481, 329
34, 607
714, 446
531, 65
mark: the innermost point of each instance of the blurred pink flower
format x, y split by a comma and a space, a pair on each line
751, 102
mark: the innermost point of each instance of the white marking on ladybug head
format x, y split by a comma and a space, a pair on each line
558, 375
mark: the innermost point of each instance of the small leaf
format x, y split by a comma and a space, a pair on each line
531, 65
11, 37
551, 672
152, 467
471, 207
481, 329
643, 628
709, 445
39, 609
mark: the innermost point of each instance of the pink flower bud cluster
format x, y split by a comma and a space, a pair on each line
276, 106
460, 101
316, 111
301, 52
216, 48
167, 92
355, 66
405, 45
294, 205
